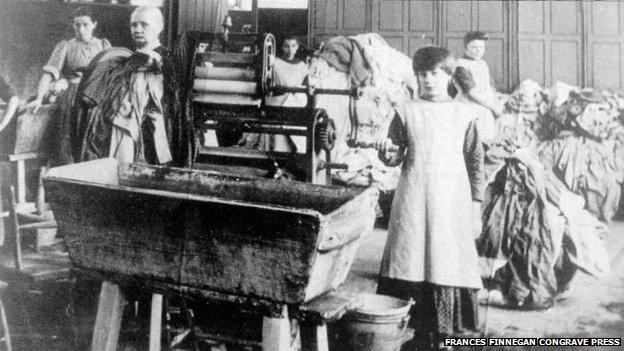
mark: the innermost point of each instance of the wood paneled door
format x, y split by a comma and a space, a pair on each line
550, 42
330, 18
573, 41
604, 48
408, 25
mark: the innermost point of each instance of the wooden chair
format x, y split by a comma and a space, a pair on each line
25, 270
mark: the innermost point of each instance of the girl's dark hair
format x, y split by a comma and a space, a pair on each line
474, 35
83, 11
428, 57
303, 51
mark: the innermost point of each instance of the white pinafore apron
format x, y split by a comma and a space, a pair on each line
430, 230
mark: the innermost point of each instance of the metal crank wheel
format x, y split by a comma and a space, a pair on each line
268, 60
325, 132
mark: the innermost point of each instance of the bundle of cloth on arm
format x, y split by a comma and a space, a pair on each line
104, 94
105, 82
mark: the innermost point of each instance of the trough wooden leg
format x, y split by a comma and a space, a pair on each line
276, 332
155, 322
108, 319
314, 337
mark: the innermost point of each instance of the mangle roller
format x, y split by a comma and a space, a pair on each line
229, 92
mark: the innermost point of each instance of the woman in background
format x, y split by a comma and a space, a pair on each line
289, 71
61, 75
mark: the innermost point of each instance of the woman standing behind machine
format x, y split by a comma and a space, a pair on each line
290, 70
62, 73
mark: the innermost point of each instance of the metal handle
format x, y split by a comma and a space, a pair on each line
369, 145
404, 323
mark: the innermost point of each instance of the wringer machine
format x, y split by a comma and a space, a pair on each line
229, 97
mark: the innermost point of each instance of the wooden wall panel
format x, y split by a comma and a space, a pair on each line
390, 16
201, 15
355, 15
553, 46
606, 61
422, 23
491, 17
338, 17
604, 19
532, 60
531, 17
458, 16
564, 17
495, 57
605, 44
407, 25
564, 56
421, 16
328, 14
574, 41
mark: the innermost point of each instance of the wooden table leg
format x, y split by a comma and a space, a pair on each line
276, 332
155, 322
314, 337
108, 319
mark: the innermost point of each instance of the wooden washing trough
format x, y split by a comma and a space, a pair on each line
281, 241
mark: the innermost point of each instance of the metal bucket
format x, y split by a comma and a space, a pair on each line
378, 324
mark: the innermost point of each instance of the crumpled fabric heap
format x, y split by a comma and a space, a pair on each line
587, 167
584, 233
537, 113
390, 82
521, 226
392, 75
345, 55
615, 134
521, 113
496, 154
537, 225
583, 141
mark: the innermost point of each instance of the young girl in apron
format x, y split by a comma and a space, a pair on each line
430, 255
